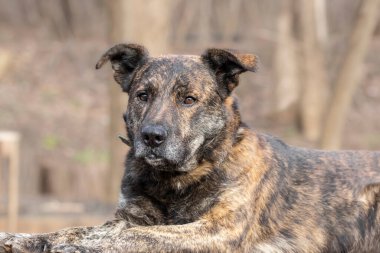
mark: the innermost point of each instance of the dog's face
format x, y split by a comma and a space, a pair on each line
177, 104
174, 108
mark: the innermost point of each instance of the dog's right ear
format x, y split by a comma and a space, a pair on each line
124, 58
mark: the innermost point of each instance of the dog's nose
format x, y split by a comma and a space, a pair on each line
153, 135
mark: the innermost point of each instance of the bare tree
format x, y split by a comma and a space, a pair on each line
315, 86
321, 22
348, 76
204, 25
286, 64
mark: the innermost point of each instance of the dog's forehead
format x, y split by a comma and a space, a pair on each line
177, 59
175, 65
174, 71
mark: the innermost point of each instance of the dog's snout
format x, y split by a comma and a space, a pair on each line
154, 135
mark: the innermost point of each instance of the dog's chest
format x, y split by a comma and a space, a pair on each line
188, 210
186, 204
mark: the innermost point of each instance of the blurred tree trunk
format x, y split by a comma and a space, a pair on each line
204, 25
348, 76
286, 64
321, 22
315, 86
5, 60
226, 30
187, 10
56, 16
140, 21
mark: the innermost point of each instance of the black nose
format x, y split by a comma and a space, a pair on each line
153, 135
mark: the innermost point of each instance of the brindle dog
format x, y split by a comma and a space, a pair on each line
198, 180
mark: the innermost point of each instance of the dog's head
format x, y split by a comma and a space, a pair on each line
179, 105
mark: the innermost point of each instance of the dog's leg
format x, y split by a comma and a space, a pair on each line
5, 238
193, 237
115, 236
27, 243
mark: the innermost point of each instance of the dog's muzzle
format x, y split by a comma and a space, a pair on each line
154, 135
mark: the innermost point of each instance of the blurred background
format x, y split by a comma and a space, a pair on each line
317, 86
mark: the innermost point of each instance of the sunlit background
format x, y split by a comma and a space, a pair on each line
317, 86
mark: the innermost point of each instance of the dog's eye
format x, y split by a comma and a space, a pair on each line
189, 100
143, 96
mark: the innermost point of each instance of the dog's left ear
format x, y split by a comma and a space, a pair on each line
125, 59
228, 64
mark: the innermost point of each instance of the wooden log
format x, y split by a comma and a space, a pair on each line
9, 151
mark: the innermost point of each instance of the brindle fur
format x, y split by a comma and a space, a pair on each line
214, 185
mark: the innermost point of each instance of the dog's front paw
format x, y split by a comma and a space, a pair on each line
5, 237
25, 243
66, 248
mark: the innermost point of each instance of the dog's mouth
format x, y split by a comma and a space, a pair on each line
154, 160
172, 158
167, 158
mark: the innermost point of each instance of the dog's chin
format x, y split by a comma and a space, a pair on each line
155, 161
159, 161
163, 164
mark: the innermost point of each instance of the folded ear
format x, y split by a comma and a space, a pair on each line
228, 64
124, 58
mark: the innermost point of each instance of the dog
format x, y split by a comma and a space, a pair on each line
197, 179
